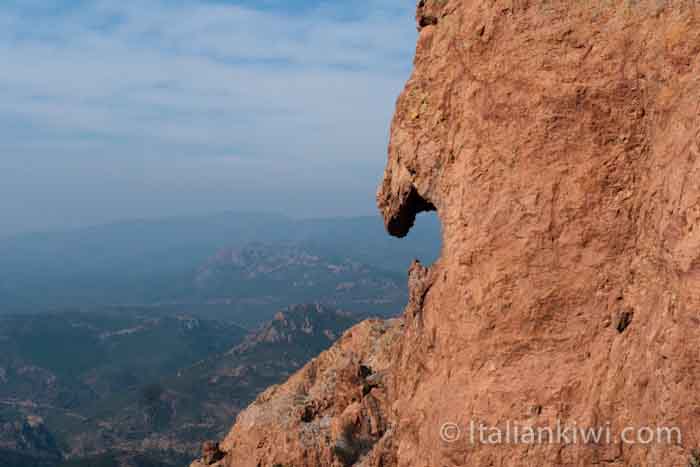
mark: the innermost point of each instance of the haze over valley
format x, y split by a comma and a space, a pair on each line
131, 343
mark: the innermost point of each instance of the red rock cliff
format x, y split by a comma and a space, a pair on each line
559, 143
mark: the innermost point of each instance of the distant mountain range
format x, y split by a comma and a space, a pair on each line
258, 279
126, 345
124, 388
180, 262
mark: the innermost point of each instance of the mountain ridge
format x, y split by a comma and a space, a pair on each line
157, 404
153, 262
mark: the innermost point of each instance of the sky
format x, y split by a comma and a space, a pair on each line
119, 109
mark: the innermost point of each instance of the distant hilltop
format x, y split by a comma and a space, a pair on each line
164, 261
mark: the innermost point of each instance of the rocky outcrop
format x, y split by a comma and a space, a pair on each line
559, 143
313, 326
28, 443
211, 454
332, 412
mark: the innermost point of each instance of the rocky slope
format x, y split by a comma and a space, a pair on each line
28, 443
216, 389
331, 411
270, 276
559, 143
93, 388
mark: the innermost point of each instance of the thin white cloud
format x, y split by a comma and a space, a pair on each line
197, 79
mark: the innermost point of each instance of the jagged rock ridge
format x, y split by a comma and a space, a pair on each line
559, 143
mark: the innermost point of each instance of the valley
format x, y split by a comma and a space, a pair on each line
133, 365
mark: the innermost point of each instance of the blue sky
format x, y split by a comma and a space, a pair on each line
113, 109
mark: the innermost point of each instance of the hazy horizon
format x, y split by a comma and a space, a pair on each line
116, 110
194, 216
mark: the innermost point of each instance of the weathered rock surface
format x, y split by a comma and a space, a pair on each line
211, 454
333, 412
559, 143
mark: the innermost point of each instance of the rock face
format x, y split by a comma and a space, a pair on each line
211, 454
332, 412
559, 143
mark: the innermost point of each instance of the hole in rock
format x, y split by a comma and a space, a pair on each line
624, 320
423, 243
364, 371
427, 20
405, 217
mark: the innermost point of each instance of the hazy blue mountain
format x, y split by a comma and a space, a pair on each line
140, 332
154, 261
129, 262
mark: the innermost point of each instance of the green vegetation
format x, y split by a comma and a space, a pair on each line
15, 459
132, 388
120, 459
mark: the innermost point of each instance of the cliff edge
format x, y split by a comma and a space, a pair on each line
559, 143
